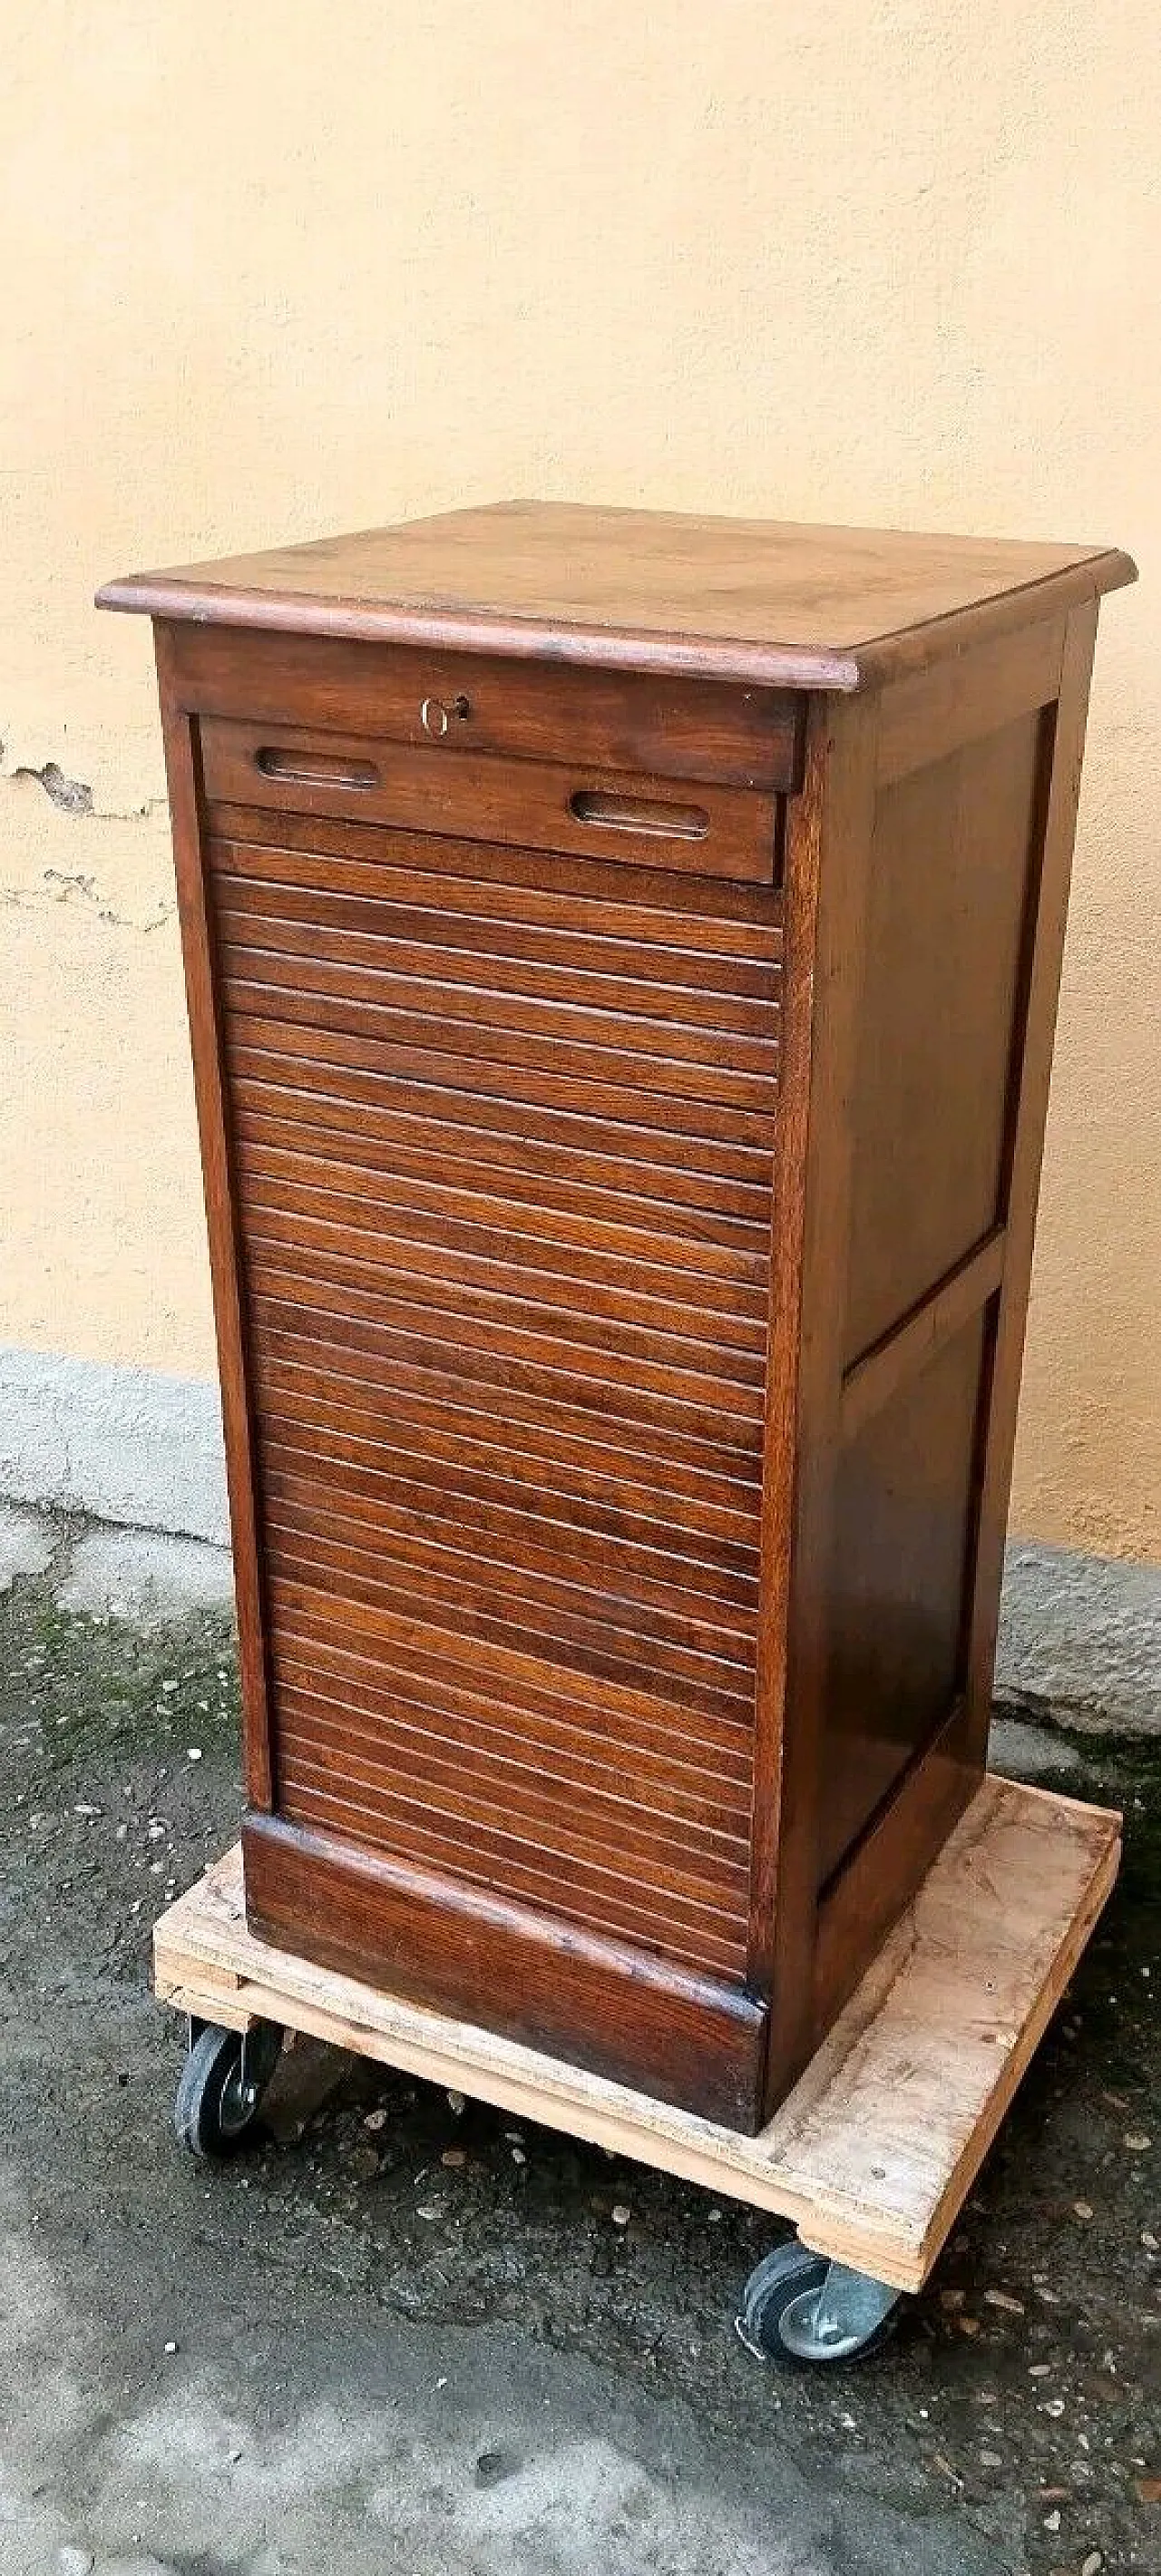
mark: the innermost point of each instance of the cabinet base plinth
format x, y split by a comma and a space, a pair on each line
620, 2012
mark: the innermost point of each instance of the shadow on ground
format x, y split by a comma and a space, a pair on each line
403, 2334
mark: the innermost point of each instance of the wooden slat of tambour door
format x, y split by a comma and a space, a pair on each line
328, 1210
676, 1002
712, 1604
478, 1806
371, 1375
647, 905
550, 1741
525, 1001
671, 1506
692, 947
398, 1470
413, 1688
494, 1860
506, 1239
397, 1474
674, 1880
551, 1562
521, 1176
365, 1339
514, 1663
496, 1030
309, 1075
459, 1541
438, 1800
612, 1147
555, 1814
529, 1618
343, 1159
626, 1367
435, 946
554, 1708
305, 1029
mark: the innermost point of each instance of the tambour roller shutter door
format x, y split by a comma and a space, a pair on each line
502, 1133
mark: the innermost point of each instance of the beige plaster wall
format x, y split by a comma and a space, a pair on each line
274, 270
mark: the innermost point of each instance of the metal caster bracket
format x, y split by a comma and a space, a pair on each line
799, 2307
837, 2320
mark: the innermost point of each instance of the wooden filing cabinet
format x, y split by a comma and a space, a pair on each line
622, 955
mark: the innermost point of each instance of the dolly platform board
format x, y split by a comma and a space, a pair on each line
874, 2152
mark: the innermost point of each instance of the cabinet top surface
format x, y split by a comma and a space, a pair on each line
747, 599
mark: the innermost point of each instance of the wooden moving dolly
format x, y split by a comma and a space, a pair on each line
871, 2156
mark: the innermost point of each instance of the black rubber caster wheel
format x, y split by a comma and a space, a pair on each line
798, 2309
222, 2085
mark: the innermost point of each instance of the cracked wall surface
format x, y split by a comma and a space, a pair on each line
275, 273
104, 1255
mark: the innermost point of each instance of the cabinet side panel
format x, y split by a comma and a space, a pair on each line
225, 1266
970, 866
1044, 949
953, 877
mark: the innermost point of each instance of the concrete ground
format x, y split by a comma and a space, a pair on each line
403, 2334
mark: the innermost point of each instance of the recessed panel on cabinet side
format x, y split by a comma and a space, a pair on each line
904, 1532
939, 1020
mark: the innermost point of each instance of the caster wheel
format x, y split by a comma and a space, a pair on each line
797, 2308
222, 2084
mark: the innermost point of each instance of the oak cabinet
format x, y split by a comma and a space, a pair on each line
622, 955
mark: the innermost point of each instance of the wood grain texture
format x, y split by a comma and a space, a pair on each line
610, 719
904, 1494
906, 1347
719, 915
747, 599
982, 689
860, 1906
873, 2154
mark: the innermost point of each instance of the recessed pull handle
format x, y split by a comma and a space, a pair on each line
640, 814
315, 768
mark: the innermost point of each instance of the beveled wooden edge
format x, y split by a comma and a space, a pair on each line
483, 631
874, 2152
767, 664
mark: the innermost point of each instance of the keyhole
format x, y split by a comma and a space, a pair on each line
435, 716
